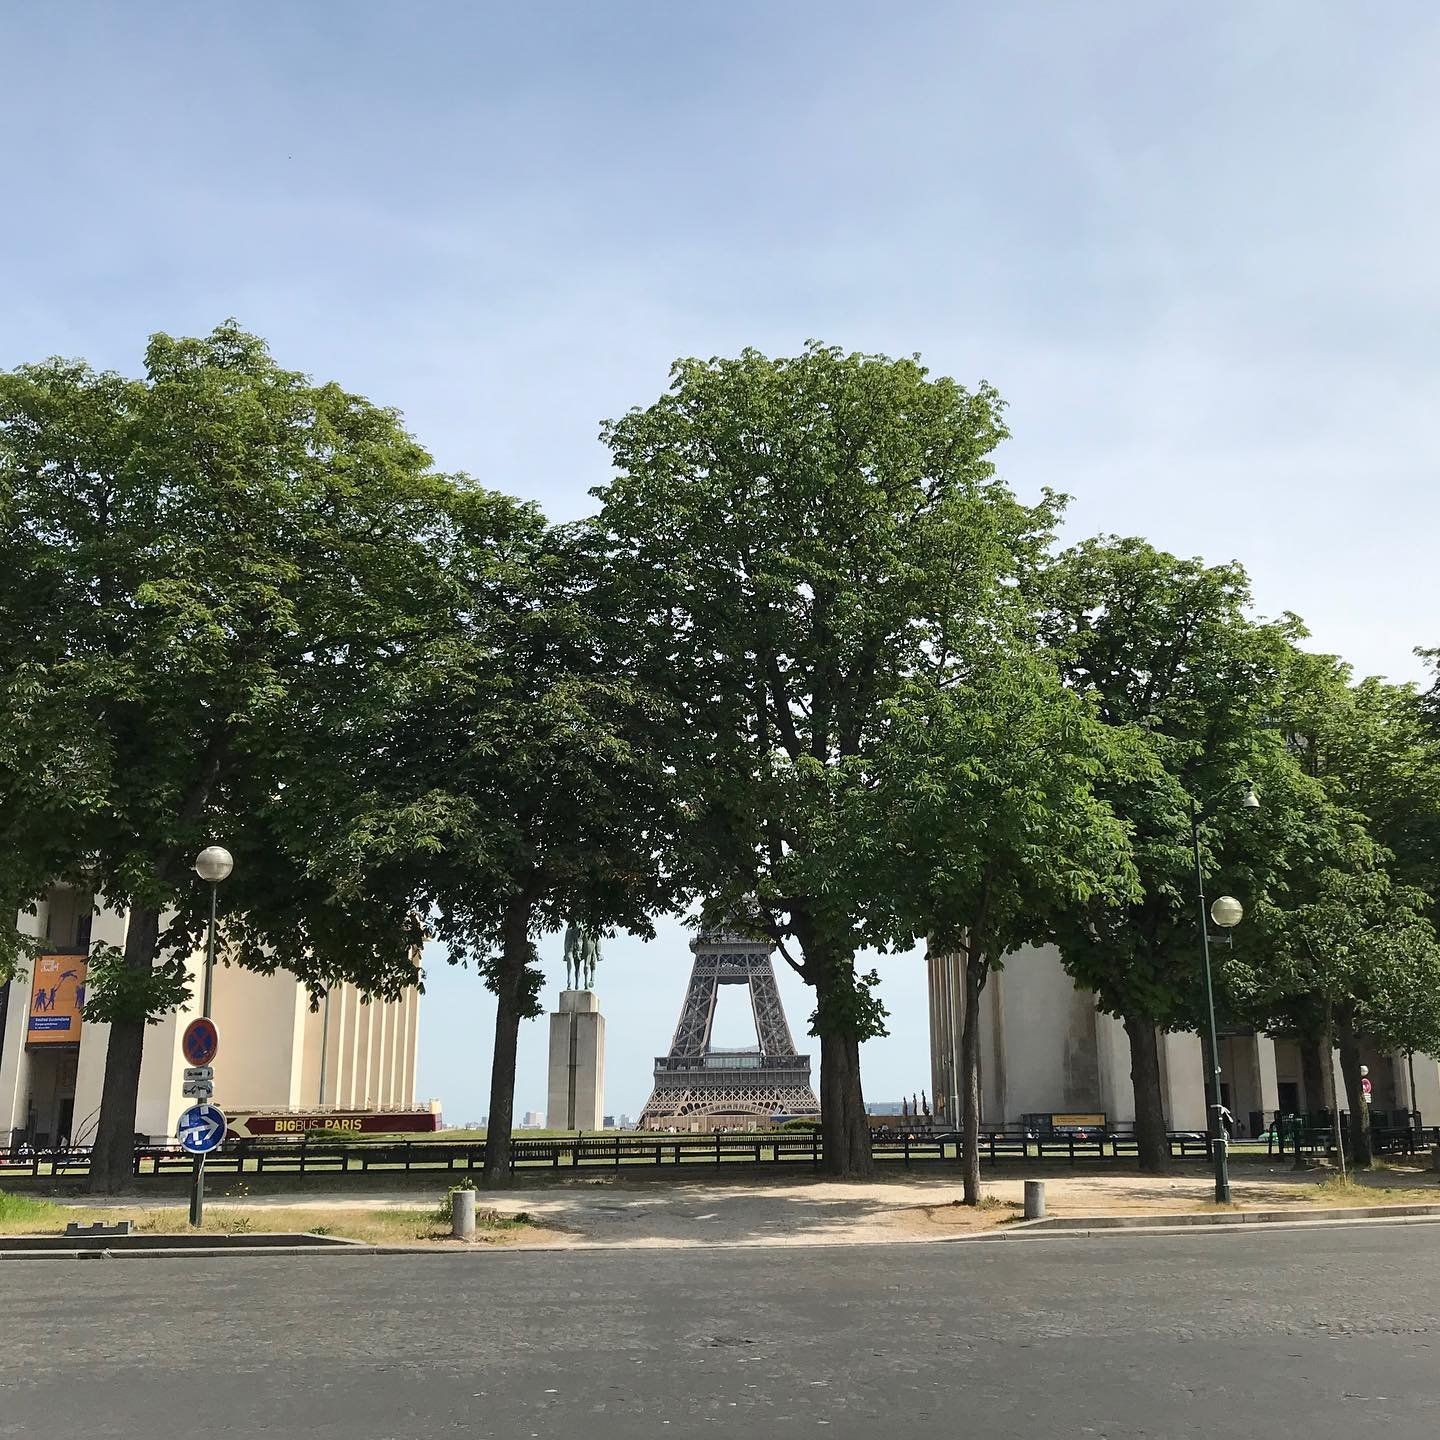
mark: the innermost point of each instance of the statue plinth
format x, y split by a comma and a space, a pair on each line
581, 1002
577, 1063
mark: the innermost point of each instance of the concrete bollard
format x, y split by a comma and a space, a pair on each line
1034, 1199
1435, 1157
462, 1214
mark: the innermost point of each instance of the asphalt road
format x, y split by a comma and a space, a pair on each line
1310, 1334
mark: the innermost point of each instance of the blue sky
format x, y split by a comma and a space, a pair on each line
1194, 246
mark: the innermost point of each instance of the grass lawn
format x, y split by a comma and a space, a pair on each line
1380, 1189
28, 1215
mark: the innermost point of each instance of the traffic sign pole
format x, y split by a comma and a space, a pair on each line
197, 1184
197, 1193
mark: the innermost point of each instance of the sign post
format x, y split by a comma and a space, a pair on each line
201, 1128
200, 1044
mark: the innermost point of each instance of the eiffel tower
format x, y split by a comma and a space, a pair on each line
696, 1080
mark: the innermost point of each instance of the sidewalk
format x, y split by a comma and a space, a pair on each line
600, 1213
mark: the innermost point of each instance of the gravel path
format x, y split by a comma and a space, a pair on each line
600, 1213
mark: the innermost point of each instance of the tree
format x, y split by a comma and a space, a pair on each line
196, 565
1360, 954
1371, 744
1342, 946
1167, 652
986, 798
520, 782
799, 539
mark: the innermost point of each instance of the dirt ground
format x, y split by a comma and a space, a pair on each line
599, 1212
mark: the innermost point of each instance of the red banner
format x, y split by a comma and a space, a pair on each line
250, 1123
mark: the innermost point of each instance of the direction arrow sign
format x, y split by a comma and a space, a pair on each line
201, 1128
201, 1041
199, 1082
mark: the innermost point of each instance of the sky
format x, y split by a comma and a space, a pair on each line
1197, 248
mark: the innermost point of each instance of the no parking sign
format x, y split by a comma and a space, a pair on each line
201, 1041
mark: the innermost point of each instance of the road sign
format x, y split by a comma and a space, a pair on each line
1365, 1086
201, 1128
199, 1082
200, 1042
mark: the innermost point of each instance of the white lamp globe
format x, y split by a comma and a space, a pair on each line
214, 863
1227, 911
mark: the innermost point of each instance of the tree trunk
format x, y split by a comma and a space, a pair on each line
515, 955
1361, 1154
112, 1161
1312, 1076
1151, 1142
975, 975
844, 1125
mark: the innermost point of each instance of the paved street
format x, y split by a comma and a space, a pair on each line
1312, 1334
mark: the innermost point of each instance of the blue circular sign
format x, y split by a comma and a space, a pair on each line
200, 1042
201, 1128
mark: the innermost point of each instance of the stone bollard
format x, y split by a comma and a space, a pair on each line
1034, 1199
462, 1214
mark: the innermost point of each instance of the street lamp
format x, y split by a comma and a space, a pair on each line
1226, 912
213, 864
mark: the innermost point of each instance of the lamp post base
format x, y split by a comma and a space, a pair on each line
1222, 1171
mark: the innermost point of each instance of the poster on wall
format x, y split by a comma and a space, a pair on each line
57, 1000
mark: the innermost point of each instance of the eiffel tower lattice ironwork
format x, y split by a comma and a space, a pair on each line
747, 1084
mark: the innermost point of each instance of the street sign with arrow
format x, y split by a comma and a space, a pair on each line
201, 1128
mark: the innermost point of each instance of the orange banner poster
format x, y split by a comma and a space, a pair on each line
57, 998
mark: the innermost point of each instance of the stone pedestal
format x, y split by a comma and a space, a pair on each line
577, 1063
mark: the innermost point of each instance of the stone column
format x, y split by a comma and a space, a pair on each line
1112, 1061
1426, 1097
1269, 1078
576, 1098
946, 992
1185, 1082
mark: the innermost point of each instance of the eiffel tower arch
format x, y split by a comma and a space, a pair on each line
697, 1082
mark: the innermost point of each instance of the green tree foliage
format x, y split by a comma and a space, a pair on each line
1378, 756
800, 539
520, 781
986, 799
1167, 653
1342, 947
1356, 959
199, 564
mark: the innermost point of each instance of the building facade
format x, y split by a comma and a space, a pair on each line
1047, 1050
276, 1053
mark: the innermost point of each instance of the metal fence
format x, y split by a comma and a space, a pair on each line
642, 1151
1319, 1139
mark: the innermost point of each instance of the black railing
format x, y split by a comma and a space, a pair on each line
1286, 1137
640, 1150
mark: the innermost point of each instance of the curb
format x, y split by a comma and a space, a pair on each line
1099, 1227
1184, 1218
1077, 1227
